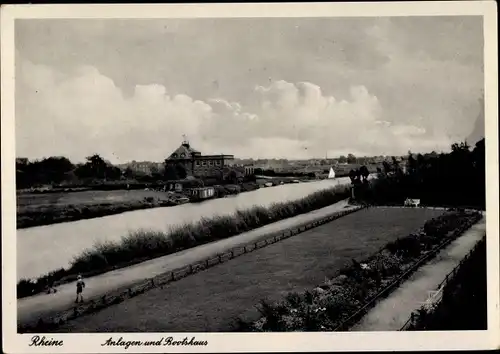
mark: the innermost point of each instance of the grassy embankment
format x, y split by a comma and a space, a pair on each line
463, 306
142, 245
37, 209
327, 306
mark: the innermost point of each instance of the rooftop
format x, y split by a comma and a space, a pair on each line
185, 151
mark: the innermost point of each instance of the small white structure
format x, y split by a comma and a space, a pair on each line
409, 202
365, 266
202, 193
433, 297
331, 175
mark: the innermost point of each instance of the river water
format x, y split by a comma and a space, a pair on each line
45, 248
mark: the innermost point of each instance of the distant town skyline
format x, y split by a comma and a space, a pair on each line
294, 88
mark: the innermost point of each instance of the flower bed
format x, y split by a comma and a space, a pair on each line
326, 307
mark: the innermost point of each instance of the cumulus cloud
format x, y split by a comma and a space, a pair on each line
85, 113
82, 112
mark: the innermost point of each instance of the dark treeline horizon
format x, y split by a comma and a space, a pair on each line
457, 178
56, 170
339, 158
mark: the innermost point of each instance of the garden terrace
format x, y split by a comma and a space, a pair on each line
341, 301
213, 299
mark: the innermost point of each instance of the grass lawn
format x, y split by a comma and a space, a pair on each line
211, 300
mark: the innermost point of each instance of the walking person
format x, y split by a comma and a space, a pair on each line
80, 285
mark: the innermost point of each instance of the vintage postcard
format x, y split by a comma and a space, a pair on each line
250, 177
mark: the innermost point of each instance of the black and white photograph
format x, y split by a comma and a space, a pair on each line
187, 173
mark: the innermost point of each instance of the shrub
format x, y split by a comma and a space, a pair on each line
28, 287
273, 313
406, 247
294, 299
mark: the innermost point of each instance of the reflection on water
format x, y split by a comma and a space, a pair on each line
45, 248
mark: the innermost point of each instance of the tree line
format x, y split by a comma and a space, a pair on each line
454, 178
56, 170
457, 178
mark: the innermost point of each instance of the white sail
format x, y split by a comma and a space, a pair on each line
332, 173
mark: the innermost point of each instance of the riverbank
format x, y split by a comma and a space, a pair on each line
52, 214
39, 209
143, 245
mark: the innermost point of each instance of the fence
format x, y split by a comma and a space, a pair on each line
123, 293
449, 277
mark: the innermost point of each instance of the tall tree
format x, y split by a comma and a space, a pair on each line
364, 173
387, 167
97, 166
128, 173
170, 173
351, 158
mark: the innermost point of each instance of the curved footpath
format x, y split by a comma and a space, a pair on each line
391, 313
33, 307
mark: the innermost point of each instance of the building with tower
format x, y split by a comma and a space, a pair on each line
197, 165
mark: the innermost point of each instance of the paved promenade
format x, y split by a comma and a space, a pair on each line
391, 313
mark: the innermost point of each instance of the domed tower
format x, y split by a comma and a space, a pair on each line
185, 141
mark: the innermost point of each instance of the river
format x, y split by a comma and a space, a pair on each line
45, 248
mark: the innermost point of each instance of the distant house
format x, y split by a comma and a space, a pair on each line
233, 173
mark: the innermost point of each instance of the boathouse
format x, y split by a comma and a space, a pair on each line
196, 164
202, 193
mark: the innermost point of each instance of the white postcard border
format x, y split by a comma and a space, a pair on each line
250, 342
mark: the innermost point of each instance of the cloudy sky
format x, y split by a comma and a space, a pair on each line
262, 88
